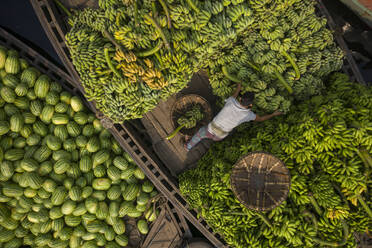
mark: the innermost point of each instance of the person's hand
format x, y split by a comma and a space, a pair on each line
277, 112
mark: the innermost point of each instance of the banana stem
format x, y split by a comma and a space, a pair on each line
112, 39
315, 204
293, 63
312, 218
283, 82
151, 51
109, 63
265, 219
253, 66
104, 72
164, 5
156, 25
323, 242
332, 243
153, 7
135, 13
63, 8
229, 76
193, 6
365, 157
170, 136
159, 59
364, 205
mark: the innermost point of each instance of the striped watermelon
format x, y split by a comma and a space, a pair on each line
11, 81
85, 163
12, 64
7, 94
131, 192
59, 196
47, 114
75, 193
29, 76
41, 86
16, 122
72, 221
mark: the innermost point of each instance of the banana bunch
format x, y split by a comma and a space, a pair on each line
326, 144
281, 45
126, 56
191, 117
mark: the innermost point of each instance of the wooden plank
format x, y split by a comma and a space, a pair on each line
159, 125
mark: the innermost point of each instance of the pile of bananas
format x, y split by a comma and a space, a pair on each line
288, 45
279, 49
326, 143
191, 117
188, 120
125, 56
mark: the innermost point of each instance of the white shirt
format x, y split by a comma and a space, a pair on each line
231, 115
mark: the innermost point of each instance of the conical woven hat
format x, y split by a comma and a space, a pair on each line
260, 181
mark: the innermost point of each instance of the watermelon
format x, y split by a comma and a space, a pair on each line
131, 192
60, 119
101, 184
73, 129
7, 94
11, 81
100, 157
42, 154
122, 240
85, 163
53, 142
4, 127
29, 76
61, 132
12, 64
28, 117
47, 113
40, 128
59, 195
14, 154
80, 210
21, 89
61, 166
68, 207
88, 130
3, 55
120, 162
65, 97
42, 85
75, 193
33, 139
114, 192
81, 118
61, 107
76, 104
52, 98
91, 205
93, 144
29, 164
99, 171
102, 210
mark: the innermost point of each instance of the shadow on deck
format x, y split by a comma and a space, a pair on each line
158, 125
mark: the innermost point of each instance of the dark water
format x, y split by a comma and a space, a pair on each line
18, 17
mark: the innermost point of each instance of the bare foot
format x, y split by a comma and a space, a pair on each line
186, 140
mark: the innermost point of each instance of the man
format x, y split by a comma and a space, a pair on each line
236, 111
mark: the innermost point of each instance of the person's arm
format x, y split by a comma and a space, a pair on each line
237, 91
267, 117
